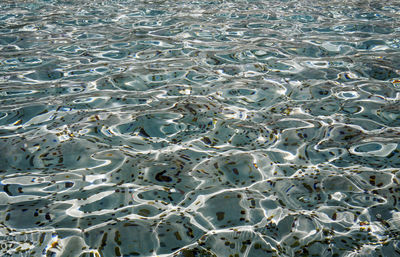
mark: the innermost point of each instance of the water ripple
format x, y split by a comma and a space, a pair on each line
199, 128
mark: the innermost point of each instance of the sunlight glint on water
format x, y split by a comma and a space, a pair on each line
199, 128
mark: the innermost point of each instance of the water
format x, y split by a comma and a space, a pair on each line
199, 128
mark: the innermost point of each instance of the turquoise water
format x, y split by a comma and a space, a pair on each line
199, 128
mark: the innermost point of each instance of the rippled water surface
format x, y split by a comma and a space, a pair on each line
199, 128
